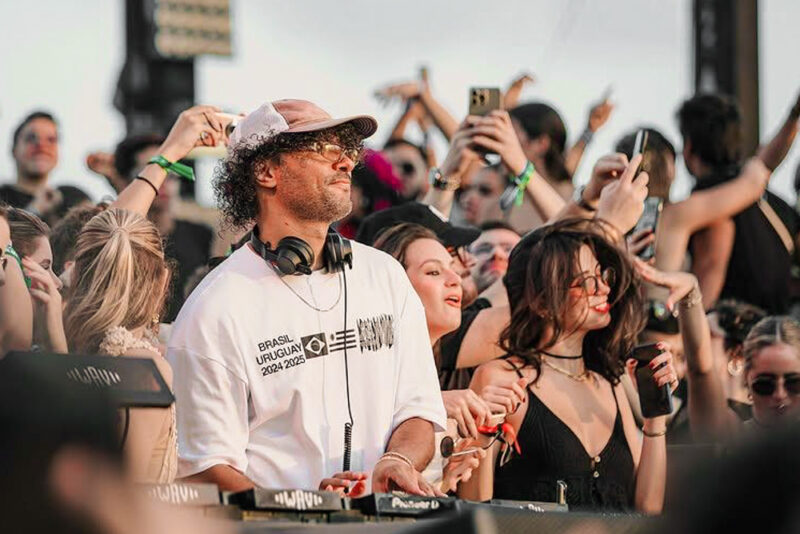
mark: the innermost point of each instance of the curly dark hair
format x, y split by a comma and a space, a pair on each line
234, 177
539, 269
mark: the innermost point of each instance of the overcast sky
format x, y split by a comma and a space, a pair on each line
58, 57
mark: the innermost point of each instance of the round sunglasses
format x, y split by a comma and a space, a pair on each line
766, 384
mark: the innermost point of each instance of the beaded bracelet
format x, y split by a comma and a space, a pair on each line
693, 298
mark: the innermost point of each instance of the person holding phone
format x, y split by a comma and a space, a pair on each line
433, 274
575, 313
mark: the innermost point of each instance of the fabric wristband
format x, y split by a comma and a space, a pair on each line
14, 254
521, 182
178, 168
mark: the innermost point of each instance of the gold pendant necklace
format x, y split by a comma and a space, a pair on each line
582, 377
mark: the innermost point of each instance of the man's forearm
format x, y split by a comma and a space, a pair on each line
224, 476
413, 438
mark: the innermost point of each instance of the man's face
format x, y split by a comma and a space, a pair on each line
313, 187
491, 251
409, 166
36, 150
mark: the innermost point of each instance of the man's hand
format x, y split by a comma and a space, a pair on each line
350, 483
102, 163
197, 126
622, 202
599, 115
607, 169
395, 475
495, 133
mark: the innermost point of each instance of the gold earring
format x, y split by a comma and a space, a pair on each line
155, 320
735, 367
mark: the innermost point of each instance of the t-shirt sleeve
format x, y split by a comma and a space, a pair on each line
211, 405
418, 392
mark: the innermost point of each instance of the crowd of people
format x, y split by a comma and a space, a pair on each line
363, 307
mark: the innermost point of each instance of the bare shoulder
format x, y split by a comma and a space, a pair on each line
494, 371
161, 363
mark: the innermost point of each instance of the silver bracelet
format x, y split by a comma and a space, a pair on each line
586, 136
391, 455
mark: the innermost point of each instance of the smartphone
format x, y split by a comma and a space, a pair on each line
639, 146
653, 400
229, 122
482, 100
649, 221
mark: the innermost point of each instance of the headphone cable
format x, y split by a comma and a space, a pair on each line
348, 427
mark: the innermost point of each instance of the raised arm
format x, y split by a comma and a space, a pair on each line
495, 133
772, 153
598, 116
709, 416
197, 126
414, 111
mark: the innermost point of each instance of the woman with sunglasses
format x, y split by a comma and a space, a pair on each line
772, 371
575, 313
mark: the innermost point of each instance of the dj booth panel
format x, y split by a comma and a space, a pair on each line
475, 522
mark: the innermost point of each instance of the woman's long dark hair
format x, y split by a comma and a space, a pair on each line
540, 270
537, 119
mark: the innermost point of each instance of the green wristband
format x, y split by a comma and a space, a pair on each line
14, 254
521, 182
178, 168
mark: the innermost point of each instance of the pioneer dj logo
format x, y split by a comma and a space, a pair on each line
314, 346
298, 499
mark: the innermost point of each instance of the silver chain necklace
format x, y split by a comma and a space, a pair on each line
298, 295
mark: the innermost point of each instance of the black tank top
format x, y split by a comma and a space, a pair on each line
552, 452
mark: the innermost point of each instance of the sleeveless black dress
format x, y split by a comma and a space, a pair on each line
552, 452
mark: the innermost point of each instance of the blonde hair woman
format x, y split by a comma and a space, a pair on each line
772, 370
118, 286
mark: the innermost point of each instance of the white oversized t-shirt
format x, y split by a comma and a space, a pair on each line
259, 375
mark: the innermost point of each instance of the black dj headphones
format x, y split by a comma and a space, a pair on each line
294, 256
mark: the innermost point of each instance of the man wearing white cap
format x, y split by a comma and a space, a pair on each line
271, 368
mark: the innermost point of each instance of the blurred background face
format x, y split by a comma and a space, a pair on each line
431, 269
481, 198
778, 368
409, 166
36, 151
491, 251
